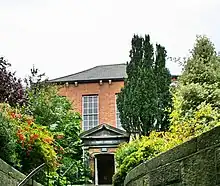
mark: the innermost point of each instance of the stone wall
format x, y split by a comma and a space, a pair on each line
194, 163
10, 176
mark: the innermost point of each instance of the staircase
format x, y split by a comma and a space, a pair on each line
89, 185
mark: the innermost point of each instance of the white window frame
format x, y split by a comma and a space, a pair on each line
116, 115
90, 95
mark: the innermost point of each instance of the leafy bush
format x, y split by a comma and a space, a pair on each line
34, 144
196, 104
129, 155
41, 128
11, 89
7, 140
55, 112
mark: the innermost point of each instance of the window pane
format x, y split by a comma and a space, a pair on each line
90, 104
96, 117
90, 98
85, 118
85, 105
118, 122
90, 112
85, 98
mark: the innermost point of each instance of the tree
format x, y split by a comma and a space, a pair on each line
195, 110
197, 96
11, 89
200, 81
7, 139
163, 81
55, 112
145, 98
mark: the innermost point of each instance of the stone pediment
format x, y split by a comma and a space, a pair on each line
104, 131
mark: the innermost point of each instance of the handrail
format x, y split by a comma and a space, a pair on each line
61, 176
68, 169
29, 176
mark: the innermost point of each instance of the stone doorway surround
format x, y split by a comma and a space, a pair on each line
104, 168
101, 143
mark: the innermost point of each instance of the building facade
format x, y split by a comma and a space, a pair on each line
93, 93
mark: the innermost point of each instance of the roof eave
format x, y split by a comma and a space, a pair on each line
86, 81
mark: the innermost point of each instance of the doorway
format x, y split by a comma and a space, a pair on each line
105, 168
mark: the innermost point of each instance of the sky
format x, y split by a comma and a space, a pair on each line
62, 37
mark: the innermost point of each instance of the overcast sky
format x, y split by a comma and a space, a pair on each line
62, 37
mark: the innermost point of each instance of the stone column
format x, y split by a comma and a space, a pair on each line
96, 171
115, 163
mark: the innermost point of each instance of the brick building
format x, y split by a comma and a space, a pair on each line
93, 93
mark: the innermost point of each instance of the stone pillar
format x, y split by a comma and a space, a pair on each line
115, 163
96, 171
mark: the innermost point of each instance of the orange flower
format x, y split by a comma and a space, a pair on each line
19, 132
13, 115
60, 136
48, 140
21, 137
35, 136
18, 115
29, 121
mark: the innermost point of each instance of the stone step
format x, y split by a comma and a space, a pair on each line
89, 185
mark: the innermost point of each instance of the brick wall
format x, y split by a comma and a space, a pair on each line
93, 152
106, 94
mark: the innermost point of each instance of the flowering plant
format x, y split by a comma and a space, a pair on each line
35, 143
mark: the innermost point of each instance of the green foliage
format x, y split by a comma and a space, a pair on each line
200, 81
203, 119
34, 144
131, 154
145, 99
195, 110
196, 100
54, 111
163, 82
7, 140
43, 129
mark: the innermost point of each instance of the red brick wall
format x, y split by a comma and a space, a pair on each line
106, 95
93, 151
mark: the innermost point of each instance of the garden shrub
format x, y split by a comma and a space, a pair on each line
34, 144
7, 141
196, 103
56, 112
129, 155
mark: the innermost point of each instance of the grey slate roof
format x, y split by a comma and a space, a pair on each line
102, 72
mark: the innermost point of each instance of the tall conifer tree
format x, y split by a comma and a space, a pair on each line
140, 102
